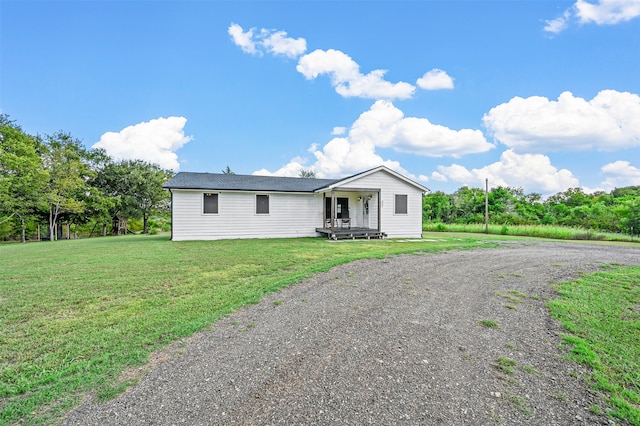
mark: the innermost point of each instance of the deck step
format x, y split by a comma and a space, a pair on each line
357, 235
351, 233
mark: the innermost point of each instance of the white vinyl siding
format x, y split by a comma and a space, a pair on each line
290, 215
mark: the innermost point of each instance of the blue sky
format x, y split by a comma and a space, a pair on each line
543, 95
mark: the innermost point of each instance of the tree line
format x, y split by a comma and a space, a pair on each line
616, 211
53, 182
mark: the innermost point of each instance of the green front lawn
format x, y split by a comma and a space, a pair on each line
601, 314
75, 314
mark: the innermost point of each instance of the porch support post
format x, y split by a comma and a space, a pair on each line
333, 209
379, 211
324, 209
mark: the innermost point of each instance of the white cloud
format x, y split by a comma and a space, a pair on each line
608, 122
343, 71
337, 159
154, 141
533, 172
339, 130
454, 172
423, 178
340, 157
243, 39
384, 126
272, 41
347, 79
437, 176
559, 24
434, 80
620, 174
607, 11
291, 169
602, 12
278, 43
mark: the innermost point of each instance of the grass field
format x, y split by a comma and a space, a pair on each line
75, 314
537, 231
601, 313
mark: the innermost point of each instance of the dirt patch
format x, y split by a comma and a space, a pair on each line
448, 339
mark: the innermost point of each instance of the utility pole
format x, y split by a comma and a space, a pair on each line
486, 206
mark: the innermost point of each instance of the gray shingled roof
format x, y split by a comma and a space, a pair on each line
220, 181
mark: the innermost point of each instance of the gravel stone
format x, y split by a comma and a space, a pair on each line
383, 341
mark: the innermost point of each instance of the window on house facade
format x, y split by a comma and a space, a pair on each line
210, 204
401, 204
262, 204
342, 208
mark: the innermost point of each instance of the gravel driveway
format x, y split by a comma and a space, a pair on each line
382, 342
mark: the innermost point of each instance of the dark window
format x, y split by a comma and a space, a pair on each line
262, 204
401, 204
342, 207
210, 203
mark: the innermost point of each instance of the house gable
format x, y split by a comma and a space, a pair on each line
352, 181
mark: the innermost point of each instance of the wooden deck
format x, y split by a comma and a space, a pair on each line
351, 233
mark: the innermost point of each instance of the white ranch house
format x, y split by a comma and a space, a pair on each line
373, 204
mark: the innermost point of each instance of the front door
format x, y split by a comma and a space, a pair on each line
365, 212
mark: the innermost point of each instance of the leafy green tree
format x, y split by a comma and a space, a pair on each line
109, 180
134, 188
112, 180
531, 208
146, 189
629, 213
307, 173
561, 213
65, 160
228, 171
437, 206
612, 212
501, 200
99, 205
572, 197
22, 175
632, 191
468, 205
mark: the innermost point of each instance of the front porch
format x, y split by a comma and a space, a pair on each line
350, 213
351, 233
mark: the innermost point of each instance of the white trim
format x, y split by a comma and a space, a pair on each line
232, 191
